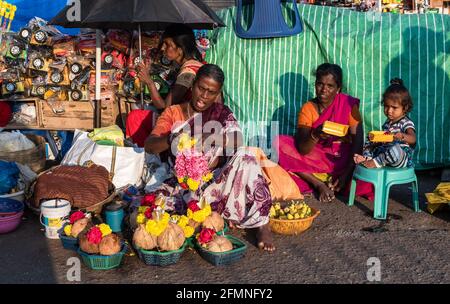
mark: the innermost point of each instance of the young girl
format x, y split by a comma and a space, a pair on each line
397, 104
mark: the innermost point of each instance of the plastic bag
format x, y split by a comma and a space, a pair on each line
9, 175
111, 133
14, 141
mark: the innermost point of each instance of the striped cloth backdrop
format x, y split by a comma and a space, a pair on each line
268, 80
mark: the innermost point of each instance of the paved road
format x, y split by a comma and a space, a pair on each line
411, 248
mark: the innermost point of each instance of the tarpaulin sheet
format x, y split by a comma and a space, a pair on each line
269, 79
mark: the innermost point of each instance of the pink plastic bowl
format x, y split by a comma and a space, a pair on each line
9, 223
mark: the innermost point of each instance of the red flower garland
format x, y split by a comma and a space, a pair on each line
78, 215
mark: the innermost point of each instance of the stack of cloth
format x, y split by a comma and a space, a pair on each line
439, 197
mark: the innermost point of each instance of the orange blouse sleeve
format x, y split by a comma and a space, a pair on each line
355, 116
168, 118
307, 115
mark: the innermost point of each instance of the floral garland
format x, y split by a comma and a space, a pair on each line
157, 226
149, 203
205, 236
77, 215
97, 233
196, 213
183, 222
191, 166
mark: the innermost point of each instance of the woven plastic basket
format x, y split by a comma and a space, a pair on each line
160, 258
68, 242
103, 262
224, 258
291, 227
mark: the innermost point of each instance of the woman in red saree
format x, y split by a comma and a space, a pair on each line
317, 160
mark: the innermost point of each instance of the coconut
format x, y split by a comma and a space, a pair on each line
109, 245
172, 238
87, 246
220, 244
214, 221
194, 225
143, 239
79, 226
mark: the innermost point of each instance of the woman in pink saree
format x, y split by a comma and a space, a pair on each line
317, 160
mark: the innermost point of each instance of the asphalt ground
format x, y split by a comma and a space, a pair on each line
344, 245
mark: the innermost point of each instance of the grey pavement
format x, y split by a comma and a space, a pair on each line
410, 247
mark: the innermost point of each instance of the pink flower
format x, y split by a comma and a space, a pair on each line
193, 205
206, 235
78, 215
94, 235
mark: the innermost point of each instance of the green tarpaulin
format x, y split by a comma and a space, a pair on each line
269, 79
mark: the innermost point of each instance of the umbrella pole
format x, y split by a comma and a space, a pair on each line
140, 60
98, 74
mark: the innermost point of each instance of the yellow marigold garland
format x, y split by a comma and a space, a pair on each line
188, 231
200, 215
68, 230
155, 227
105, 229
140, 219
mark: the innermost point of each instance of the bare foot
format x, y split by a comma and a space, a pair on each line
264, 238
357, 158
325, 194
369, 164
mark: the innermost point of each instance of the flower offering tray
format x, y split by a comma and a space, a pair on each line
160, 258
224, 258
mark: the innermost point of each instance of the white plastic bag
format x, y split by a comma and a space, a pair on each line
155, 173
14, 141
125, 164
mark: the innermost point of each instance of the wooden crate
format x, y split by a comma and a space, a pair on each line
77, 115
36, 124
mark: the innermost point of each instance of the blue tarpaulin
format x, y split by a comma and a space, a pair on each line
45, 9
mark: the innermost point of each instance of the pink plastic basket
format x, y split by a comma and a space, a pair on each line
9, 223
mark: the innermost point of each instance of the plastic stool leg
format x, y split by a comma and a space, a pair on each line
415, 195
381, 202
351, 197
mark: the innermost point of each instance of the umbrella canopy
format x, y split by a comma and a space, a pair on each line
148, 14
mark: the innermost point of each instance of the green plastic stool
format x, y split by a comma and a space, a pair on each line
383, 179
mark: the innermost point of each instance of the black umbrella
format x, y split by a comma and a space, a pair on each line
149, 14
135, 14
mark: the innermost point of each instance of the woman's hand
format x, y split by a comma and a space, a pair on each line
144, 71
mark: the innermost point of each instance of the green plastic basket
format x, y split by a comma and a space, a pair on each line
160, 258
224, 258
103, 262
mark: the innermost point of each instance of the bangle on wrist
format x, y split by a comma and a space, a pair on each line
315, 139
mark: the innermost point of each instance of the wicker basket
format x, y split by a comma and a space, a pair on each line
159, 258
96, 208
103, 262
35, 157
224, 258
291, 227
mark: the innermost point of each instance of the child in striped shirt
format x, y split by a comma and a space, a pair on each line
397, 104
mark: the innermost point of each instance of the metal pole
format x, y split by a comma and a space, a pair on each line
98, 74
140, 60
